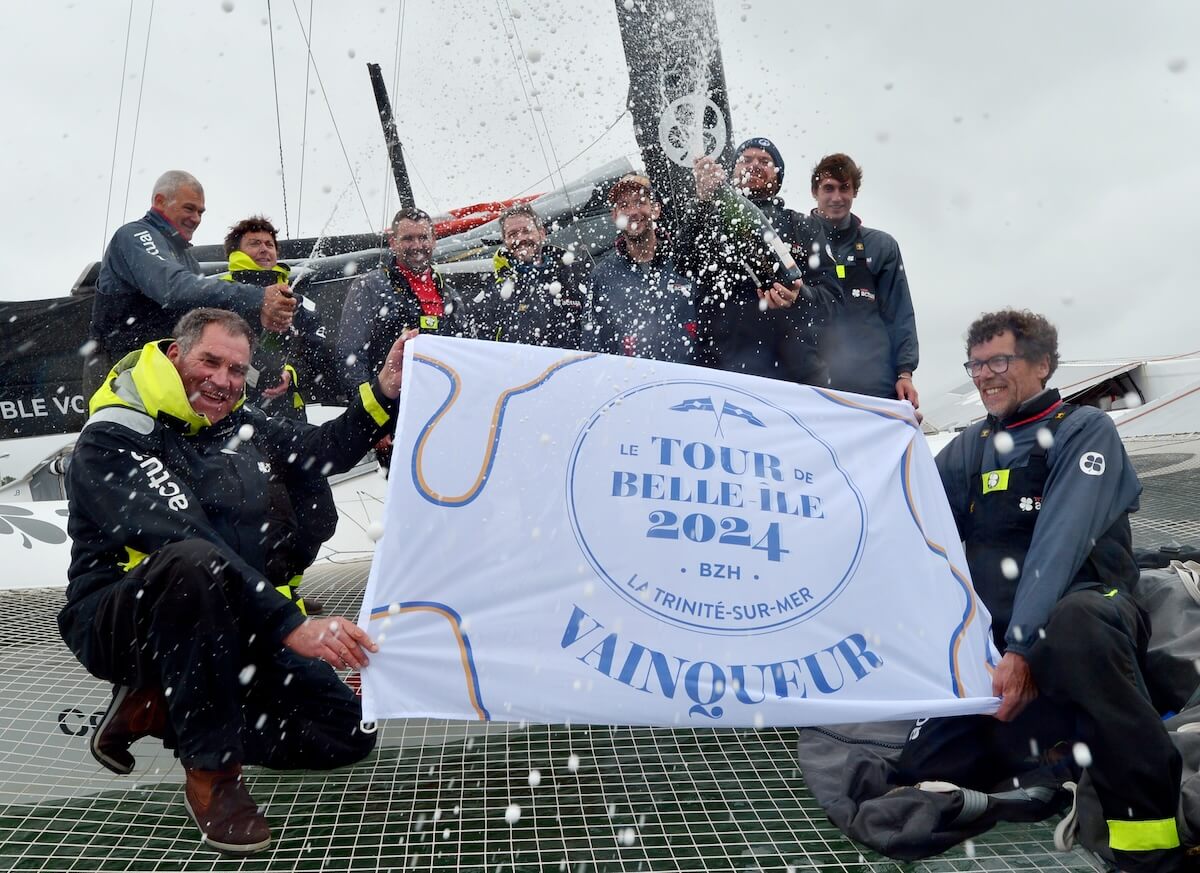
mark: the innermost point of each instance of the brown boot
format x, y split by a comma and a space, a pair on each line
133, 713
217, 800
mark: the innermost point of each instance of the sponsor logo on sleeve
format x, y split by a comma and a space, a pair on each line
1092, 463
161, 481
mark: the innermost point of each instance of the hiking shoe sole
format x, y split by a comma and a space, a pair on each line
225, 848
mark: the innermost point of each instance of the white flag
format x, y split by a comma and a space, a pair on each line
586, 538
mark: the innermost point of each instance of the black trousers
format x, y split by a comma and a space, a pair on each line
1088, 670
178, 622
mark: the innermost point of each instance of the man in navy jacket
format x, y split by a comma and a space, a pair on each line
149, 279
1041, 492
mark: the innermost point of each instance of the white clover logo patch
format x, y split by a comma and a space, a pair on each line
1092, 463
1029, 504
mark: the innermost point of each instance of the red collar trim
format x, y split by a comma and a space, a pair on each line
163, 216
1043, 414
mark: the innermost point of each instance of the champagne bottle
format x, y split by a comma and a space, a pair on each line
270, 354
753, 240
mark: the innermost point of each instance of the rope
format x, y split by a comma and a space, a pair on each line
112, 170
388, 183
549, 139
577, 155
138, 115
278, 122
332, 118
304, 125
528, 103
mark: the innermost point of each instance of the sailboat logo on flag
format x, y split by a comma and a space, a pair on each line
732, 518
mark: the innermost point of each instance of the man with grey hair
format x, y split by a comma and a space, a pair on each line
149, 278
169, 599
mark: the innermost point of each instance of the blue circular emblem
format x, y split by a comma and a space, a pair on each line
713, 509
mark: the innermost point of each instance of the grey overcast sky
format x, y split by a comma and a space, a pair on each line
1039, 154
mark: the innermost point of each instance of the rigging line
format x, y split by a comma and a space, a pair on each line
577, 155
388, 183
329, 108
430, 197
528, 101
437, 206
278, 122
138, 115
112, 170
549, 139
304, 125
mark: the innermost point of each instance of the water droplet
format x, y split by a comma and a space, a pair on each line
573, 763
246, 433
1045, 439
226, 5
1010, 568
375, 531
535, 778
1082, 754
512, 814
1003, 442
247, 674
627, 836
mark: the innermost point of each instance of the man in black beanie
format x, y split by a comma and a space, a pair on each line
751, 324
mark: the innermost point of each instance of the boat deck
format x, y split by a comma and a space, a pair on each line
436, 795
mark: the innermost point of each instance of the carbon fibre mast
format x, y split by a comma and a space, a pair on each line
391, 136
677, 93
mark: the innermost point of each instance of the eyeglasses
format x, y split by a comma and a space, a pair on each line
998, 364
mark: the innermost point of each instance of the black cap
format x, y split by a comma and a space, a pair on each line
761, 142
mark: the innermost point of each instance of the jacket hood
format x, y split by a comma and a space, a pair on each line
239, 261
146, 380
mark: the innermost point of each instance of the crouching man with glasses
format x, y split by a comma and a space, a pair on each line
1041, 491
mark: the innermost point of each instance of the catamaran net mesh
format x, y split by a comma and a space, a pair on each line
444, 796
435, 795
1169, 467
